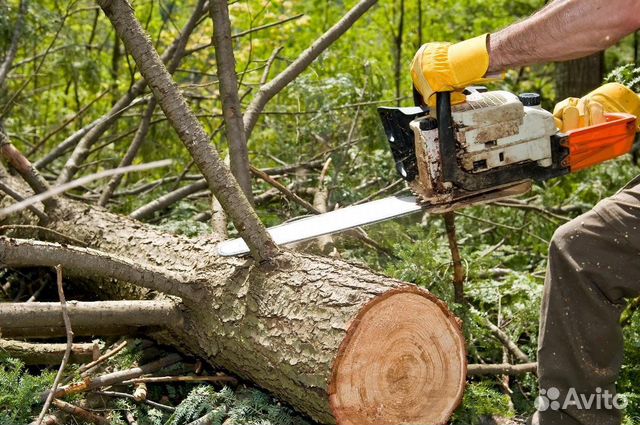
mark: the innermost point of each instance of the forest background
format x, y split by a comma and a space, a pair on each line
70, 68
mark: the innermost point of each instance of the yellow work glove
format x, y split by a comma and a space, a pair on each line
439, 67
589, 110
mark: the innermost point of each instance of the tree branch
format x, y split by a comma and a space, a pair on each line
67, 351
231, 108
283, 189
456, 259
27, 171
501, 369
87, 262
167, 199
116, 377
507, 342
44, 218
19, 316
56, 190
47, 354
275, 86
80, 413
128, 158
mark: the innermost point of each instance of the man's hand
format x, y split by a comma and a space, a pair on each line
589, 110
439, 67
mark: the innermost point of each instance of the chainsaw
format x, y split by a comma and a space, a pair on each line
493, 146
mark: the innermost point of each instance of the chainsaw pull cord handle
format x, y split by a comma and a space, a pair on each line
446, 138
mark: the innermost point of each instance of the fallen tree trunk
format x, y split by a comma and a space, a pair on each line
336, 341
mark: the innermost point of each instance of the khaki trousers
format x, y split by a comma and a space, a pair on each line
594, 265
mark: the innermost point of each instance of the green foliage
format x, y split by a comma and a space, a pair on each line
630, 376
20, 391
242, 406
480, 399
198, 403
628, 75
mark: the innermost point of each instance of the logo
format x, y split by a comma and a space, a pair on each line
550, 399
547, 399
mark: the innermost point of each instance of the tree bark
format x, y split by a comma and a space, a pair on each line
334, 340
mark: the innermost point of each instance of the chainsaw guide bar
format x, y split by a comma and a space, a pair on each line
337, 221
331, 222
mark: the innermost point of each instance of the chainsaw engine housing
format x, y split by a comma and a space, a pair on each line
498, 148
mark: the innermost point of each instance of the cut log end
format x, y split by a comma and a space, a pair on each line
403, 362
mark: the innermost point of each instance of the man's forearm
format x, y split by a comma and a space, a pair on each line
563, 30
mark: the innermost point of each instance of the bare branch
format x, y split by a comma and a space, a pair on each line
71, 141
456, 259
171, 57
44, 218
507, 342
16, 316
68, 121
67, 351
161, 379
117, 377
231, 108
79, 182
275, 86
266, 26
131, 397
128, 158
86, 368
270, 61
25, 169
167, 199
283, 189
47, 354
501, 369
87, 262
80, 413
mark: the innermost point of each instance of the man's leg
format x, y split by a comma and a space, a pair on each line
594, 264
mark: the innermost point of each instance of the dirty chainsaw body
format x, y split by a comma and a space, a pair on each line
495, 145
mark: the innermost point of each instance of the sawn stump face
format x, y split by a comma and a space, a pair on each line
403, 362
